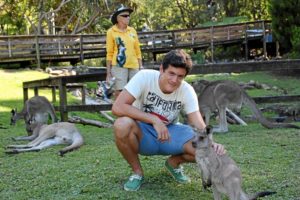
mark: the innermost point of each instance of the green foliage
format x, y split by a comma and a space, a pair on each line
22, 17
285, 16
295, 40
198, 58
226, 20
227, 53
253, 9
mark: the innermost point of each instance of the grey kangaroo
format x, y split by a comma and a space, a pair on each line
49, 135
222, 94
38, 107
219, 171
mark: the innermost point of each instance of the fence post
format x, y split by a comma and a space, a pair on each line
212, 43
277, 50
264, 40
37, 50
9, 48
173, 38
246, 43
81, 50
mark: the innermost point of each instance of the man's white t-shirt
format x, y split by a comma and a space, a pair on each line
144, 87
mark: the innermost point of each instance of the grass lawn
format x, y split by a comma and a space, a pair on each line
269, 159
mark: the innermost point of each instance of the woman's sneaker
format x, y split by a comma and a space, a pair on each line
134, 183
177, 173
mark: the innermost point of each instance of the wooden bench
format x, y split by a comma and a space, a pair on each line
62, 83
80, 86
53, 88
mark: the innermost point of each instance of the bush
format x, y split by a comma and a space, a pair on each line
198, 58
295, 40
228, 53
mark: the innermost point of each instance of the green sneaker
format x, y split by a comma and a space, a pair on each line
134, 183
177, 173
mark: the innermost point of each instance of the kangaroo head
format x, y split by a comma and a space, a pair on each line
203, 138
31, 124
199, 85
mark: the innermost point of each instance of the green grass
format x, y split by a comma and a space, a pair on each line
269, 159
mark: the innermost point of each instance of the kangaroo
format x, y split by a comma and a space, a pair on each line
223, 94
49, 135
38, 107
219, 171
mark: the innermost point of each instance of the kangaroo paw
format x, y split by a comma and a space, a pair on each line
12, 151
61, 153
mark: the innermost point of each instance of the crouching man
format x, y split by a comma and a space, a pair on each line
147, 111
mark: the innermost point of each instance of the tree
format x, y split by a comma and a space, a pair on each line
252, 9
55, 16
285, 20
166, 14
92, 16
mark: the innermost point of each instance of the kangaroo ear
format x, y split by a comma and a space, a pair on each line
209, 129
204, 82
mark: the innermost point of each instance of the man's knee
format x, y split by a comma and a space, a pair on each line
123, 126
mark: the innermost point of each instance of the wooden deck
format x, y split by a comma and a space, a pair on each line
76, 48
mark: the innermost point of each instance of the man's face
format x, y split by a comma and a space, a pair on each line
171, 78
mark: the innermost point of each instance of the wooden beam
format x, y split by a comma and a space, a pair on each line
239, 67
86, 108
277, 99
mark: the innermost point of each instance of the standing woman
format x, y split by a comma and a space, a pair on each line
123, 58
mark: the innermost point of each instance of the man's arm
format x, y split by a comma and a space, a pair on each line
122, 107
195, 119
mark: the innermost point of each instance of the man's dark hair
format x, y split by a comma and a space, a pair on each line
177, 58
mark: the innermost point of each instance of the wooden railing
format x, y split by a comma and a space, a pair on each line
79, 47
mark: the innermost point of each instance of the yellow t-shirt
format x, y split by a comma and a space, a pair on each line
123, 48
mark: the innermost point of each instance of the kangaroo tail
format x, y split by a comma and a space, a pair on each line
258, 114
77, 143
261, 194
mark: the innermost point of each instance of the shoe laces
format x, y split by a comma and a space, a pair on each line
135, 176
179, 170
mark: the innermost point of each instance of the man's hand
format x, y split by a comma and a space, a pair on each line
162, 130
219, 148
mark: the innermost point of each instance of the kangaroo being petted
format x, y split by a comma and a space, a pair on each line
222, 94
219, 171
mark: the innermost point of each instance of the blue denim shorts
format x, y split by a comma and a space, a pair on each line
179, 135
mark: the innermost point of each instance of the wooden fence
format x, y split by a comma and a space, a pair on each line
45, 48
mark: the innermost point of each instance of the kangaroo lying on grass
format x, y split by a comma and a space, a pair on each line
222, 94
220, 172
38, 107
49, 135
